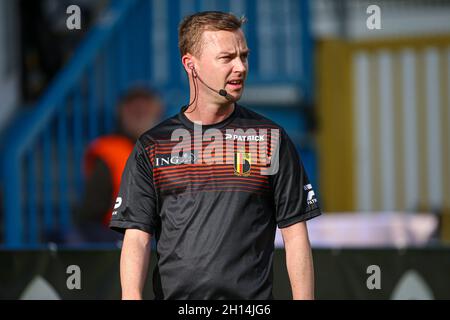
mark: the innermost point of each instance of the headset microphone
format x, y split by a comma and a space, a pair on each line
223, 93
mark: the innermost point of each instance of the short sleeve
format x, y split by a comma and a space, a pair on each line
294, 197
135, 206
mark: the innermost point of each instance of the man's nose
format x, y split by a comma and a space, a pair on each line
240, 66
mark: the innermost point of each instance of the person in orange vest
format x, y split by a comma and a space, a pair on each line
104, 160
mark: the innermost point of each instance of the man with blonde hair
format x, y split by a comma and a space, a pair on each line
214, 206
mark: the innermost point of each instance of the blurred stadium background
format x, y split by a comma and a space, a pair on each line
369, 111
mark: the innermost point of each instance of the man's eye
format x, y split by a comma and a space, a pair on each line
225, 58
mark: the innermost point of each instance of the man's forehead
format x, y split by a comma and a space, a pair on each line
223, 40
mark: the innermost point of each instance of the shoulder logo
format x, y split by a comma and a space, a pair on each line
118, 202
311, 198
117, 205
242, 163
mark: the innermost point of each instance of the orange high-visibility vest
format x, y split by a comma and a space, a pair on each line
114, 151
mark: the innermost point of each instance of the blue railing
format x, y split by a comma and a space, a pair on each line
134, 42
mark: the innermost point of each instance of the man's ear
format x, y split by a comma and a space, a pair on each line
189, 65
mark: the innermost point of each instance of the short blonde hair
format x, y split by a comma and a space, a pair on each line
192, 27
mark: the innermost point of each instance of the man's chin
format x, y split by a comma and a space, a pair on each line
235, 95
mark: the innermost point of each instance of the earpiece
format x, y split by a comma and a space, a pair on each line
191, 66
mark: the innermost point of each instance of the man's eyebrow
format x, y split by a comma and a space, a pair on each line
226, 52
233, 52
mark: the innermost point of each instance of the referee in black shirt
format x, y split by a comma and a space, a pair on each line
212, 183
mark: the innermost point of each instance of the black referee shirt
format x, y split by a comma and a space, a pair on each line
211, 207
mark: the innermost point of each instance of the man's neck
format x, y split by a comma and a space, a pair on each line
209, 113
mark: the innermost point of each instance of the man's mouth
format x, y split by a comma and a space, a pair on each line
235, 84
